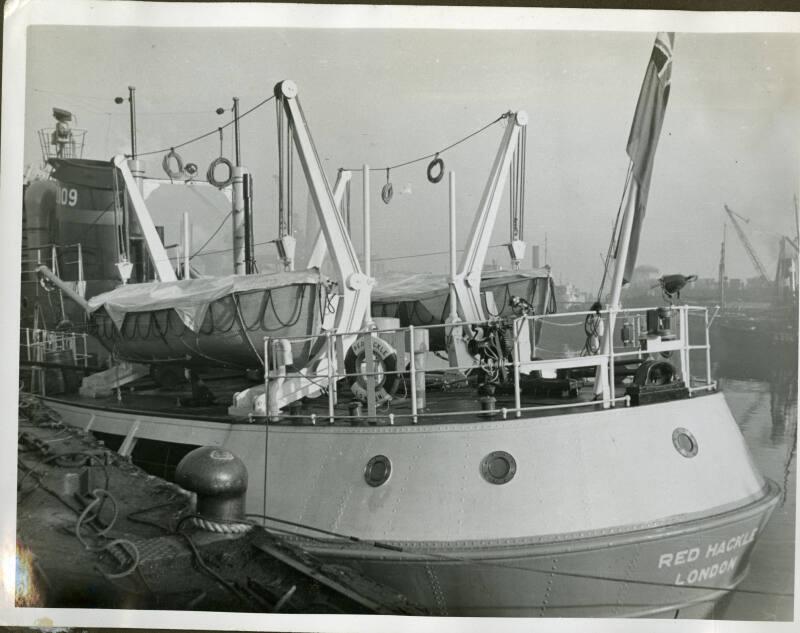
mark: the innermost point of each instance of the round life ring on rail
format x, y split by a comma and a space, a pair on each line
191, 168
386, 382
436, 163
166, 164
219, 184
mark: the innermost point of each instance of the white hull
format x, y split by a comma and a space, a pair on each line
587, 475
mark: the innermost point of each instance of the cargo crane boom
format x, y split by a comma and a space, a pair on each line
762, 272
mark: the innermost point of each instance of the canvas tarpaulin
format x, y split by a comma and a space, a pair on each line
421, 299
190, 298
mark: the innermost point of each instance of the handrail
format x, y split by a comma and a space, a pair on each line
605, 362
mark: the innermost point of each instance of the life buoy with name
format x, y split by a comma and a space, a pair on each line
386, 383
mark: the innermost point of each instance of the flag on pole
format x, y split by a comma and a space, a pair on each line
645, 130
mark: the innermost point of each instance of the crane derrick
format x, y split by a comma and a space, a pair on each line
762, 272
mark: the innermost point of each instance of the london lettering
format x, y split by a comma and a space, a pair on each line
700, 572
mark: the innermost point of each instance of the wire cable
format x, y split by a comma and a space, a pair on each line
441, 151
202, 136
213, 235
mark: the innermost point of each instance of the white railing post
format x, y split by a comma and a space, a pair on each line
266, 379
612, 318
708, 349
686, 351
413, 367
518, 324
331, 377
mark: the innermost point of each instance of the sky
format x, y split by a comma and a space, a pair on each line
382, 96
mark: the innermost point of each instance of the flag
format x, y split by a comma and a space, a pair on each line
645, 130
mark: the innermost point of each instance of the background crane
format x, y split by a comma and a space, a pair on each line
735, 217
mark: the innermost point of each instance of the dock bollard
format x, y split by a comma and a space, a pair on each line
219, 480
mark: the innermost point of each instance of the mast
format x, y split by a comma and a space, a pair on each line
648, 119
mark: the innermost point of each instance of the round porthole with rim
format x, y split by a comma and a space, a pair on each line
498, 467
377, 471
684, 442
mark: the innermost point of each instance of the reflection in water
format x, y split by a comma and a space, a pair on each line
755, 367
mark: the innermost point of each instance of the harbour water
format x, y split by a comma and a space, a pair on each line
762, 395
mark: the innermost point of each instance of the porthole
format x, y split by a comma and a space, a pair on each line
498, 467
684, 442
378, 470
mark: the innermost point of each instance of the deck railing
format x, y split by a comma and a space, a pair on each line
44, 348
405, 339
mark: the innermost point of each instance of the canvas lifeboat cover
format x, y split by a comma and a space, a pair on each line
190, 298
423, 298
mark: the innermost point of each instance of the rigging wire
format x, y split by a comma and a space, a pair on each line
207, 134
213, 235
614, 238
433, 154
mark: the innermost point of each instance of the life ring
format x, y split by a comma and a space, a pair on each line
166, 164
385, 356
387, 192
436, 163
219, 184
191, 168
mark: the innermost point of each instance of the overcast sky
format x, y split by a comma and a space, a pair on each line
383, 97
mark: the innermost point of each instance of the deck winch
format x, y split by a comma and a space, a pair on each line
656, 381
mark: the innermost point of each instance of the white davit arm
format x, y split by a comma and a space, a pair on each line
355, 286
155, 248
468, 279
320, 248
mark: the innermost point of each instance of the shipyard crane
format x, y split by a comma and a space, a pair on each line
762, 272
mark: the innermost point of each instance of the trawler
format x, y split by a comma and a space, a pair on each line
459, 461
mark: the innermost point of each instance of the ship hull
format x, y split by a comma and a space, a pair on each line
617, 574
605, 514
